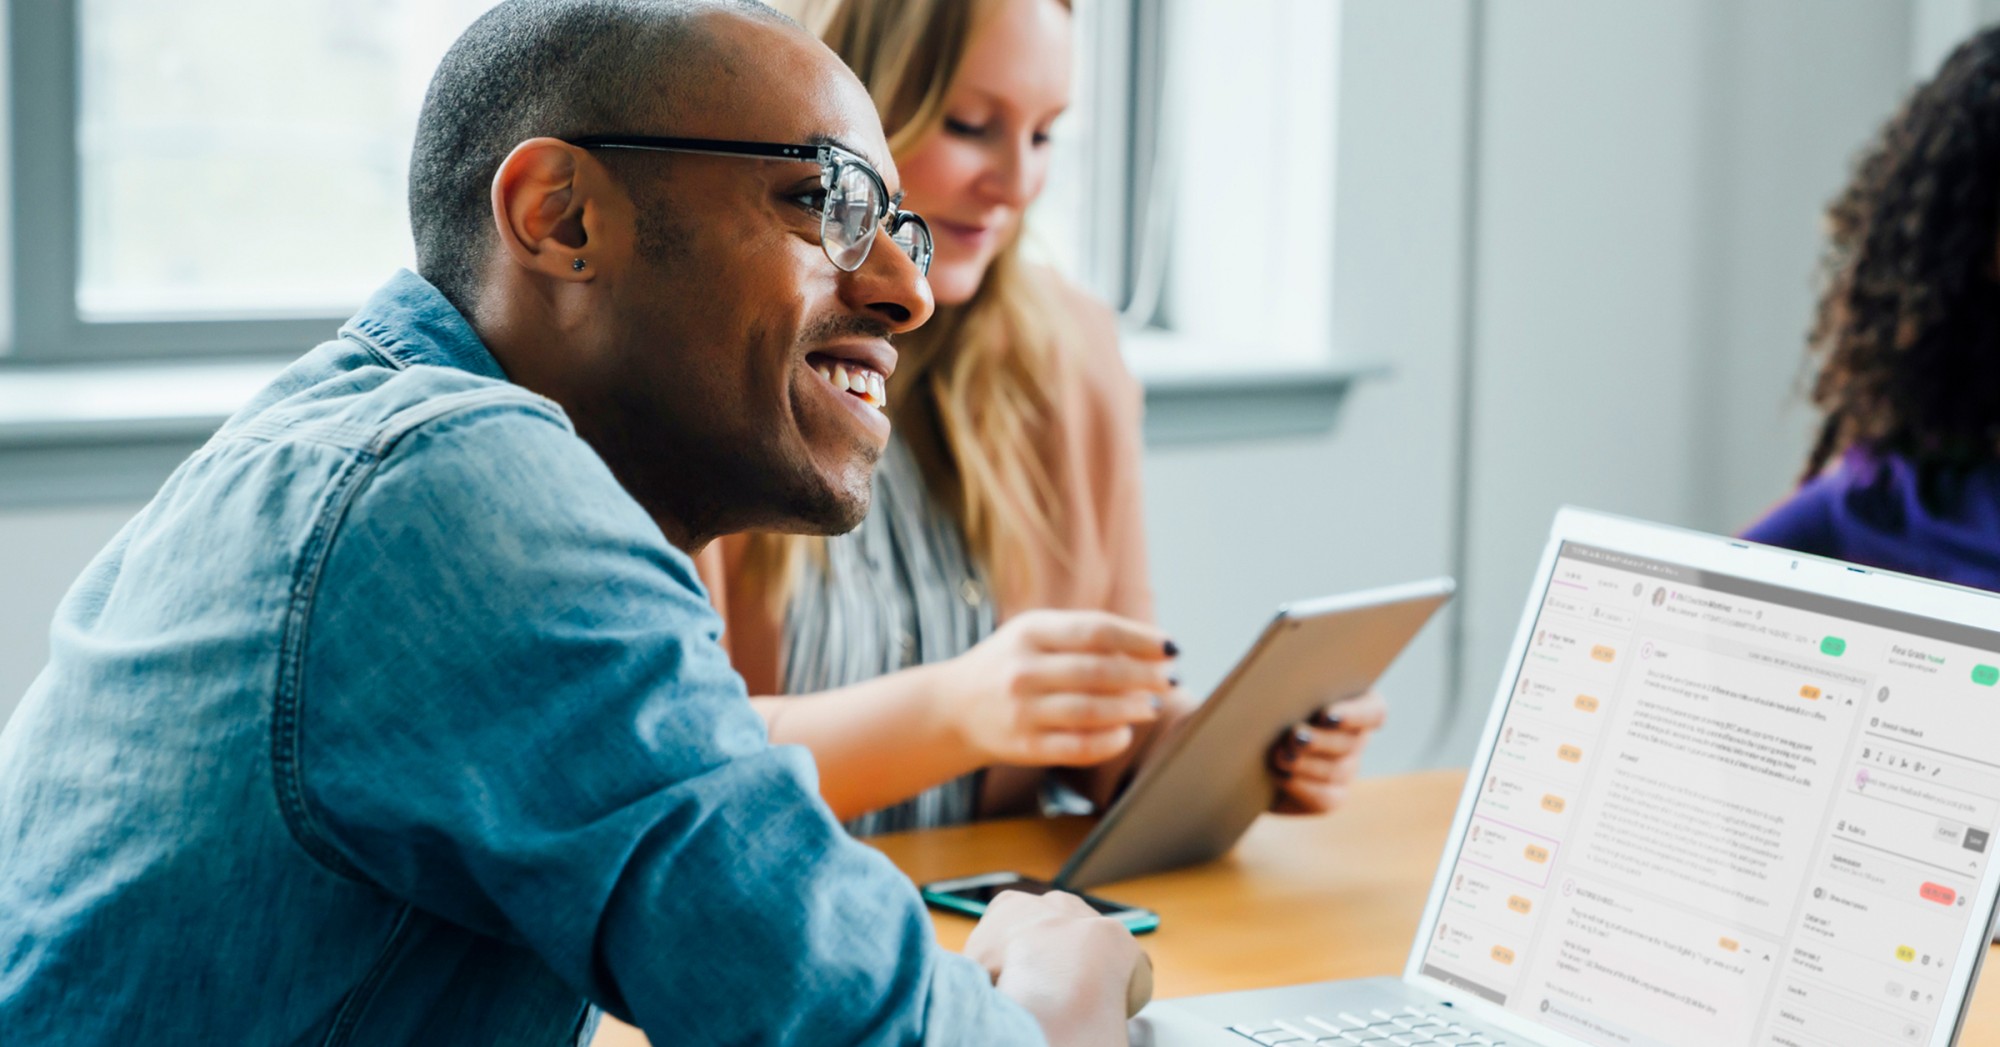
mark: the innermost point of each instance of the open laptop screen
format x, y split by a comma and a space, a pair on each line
1722, 811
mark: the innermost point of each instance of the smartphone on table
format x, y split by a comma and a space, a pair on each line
972, 894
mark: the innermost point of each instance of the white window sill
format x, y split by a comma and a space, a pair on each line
87, 434
123, 403
1205, 393
112, 432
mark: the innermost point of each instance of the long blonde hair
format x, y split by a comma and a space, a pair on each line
974, 385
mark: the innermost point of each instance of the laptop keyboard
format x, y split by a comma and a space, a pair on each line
1376, 1028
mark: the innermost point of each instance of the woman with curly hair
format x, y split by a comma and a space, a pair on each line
1905, 471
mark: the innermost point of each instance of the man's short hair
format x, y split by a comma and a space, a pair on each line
528, 68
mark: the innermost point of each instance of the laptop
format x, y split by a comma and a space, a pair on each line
1727, 795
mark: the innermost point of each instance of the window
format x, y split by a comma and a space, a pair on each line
208, 177
237, 159
1194, 179
224, 177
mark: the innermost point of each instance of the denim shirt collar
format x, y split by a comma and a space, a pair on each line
409, 322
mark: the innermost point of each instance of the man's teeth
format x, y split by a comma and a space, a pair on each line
862, 382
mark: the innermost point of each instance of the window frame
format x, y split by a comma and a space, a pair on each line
38, 296
47, 326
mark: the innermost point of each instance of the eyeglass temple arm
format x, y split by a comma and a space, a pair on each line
824, 155
713, 146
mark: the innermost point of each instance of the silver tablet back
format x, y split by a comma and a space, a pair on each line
1208, 782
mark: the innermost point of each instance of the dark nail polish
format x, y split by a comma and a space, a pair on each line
1173, 649
1322, 718
1302, 736
1173, 679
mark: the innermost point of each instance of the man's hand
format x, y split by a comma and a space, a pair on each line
1062, 962
1058, 688
1316, 761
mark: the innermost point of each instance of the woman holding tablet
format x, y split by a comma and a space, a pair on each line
982, 637
1905, 473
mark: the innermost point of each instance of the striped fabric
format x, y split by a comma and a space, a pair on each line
900, 590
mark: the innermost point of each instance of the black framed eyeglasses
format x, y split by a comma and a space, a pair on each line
857, 202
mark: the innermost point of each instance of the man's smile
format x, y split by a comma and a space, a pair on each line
853, 378
857, 386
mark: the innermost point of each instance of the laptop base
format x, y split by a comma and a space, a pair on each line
1317, 1014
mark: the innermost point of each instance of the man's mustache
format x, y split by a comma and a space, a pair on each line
839, 327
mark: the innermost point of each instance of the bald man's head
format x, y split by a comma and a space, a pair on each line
556, 68
680, 307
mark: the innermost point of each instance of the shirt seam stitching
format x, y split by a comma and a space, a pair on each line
356, 1004
288, 782
362, 332
288, 779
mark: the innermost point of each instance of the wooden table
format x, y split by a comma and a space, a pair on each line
1301, 899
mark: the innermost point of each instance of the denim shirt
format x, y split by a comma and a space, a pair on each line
393, 719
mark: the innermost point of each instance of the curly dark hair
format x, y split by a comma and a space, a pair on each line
1907, 331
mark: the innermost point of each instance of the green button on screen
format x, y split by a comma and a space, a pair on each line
1985, 675
1833, 645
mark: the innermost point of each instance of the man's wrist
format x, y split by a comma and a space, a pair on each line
1071, 1013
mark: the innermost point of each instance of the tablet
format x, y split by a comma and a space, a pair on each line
1210, 779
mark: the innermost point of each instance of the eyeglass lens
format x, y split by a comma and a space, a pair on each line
914, 239
853, 214
849, 224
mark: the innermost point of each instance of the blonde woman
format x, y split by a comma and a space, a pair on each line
983, 636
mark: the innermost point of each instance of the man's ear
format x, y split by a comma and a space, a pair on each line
549, 206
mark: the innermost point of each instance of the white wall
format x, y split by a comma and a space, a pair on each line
1585, 305
1237, 529
1650, 179
1801, 89
1647, 181
1937, 26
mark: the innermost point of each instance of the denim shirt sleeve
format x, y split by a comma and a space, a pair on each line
512, 713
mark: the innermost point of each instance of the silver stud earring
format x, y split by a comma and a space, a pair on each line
577, 265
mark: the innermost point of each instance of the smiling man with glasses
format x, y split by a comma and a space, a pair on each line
399, 715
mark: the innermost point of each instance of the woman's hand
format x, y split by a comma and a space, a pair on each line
1058, 688
1316, 761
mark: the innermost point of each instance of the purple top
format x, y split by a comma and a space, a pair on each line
1866, 511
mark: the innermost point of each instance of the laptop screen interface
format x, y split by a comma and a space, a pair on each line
1721, 811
